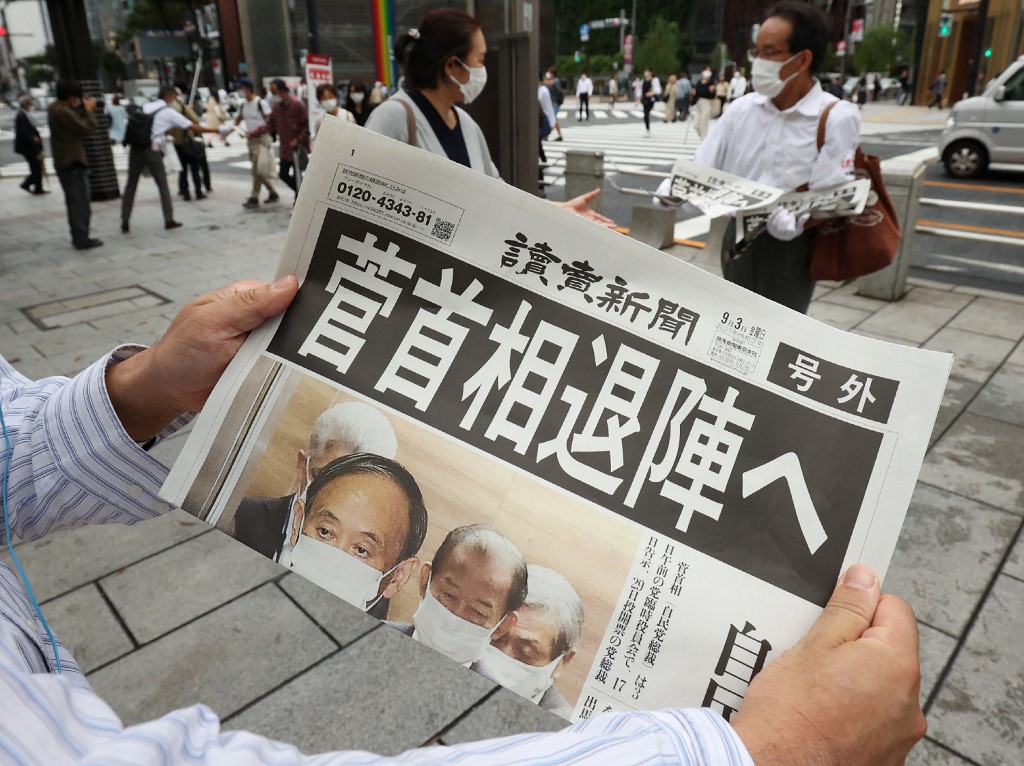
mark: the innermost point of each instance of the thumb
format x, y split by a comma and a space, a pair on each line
849, 611
240, 311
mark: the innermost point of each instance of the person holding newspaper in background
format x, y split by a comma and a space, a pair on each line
443, 65
847, 693
770, 137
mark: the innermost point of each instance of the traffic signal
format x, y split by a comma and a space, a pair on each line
945, 24
578, 57
3, 31
988, 53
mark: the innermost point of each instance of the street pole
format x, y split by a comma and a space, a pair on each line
314, 35
978, 47
845, 37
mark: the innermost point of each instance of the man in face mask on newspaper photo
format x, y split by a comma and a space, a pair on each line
529, 657
470, 593
262, 523
358, 529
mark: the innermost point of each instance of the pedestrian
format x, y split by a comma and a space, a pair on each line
704, 99
862, 92
584, 89
904, 96
150, 156
254, 111
443, 65
721, 95
837, 88
670, 99
650, 88
377, 94
938, 88
118, 115
876, 89
357, 103
613, 91
737, 85
215, 116
29, 145
71, 119
770, 137
638, 90
188, 154
327, 96
546, 119
684, 96
290, 121
554, 86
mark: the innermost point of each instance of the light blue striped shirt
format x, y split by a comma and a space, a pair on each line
73, 464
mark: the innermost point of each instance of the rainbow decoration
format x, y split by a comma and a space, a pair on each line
383, 41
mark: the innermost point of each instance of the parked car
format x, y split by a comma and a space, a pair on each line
987, 128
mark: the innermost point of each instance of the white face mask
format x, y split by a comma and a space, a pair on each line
525, 680
329, 105
705, 75
477, 80
764, 74
335, 571
449, 634
357, 98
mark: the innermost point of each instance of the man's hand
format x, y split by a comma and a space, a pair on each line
847, 694
176, 375
782, 224
581, 206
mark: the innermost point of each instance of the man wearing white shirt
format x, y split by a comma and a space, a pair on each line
152, 157
770, 137
584, 89
847, 693
254, 111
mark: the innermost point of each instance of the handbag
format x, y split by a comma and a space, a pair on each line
193, 149
847, 247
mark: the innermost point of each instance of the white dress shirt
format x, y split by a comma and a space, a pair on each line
753, 139
71, 463
584, 86
544, 98
164, 118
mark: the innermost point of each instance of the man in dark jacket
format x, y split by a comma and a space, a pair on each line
71, 120
29, 145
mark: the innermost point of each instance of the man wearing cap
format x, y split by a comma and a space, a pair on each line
255, 111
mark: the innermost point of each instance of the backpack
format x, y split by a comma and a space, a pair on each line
138, 132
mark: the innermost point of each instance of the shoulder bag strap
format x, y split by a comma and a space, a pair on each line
410, 122
821, 123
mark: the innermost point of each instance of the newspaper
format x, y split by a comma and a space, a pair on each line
716, 193
699, 464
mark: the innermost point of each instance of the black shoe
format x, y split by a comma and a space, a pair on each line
124, 227
171, 224
89, 244
186, 196
200, 195
273, 198
251, 204
41, 191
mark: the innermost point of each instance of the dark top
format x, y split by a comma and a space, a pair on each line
705, 89
26, 137
259, 523
555, 89
68, 129
360, 116
452, 140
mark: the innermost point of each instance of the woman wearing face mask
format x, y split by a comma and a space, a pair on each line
327, 95
704, 95
443, 63
770, 136
357, 103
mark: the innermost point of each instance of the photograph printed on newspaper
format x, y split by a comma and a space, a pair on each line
716, 193
598, 475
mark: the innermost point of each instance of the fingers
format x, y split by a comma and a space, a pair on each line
849, 612
245, 305
586, 198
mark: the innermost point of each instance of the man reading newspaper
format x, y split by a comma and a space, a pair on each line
847, 693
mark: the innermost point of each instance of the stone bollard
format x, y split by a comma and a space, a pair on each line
584, 172
653, 225
904, 180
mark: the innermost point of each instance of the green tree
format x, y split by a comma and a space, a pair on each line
570, 14
881, 50
659, 48
155, 14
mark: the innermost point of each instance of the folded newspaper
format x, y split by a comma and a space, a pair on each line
598, 475
716, 193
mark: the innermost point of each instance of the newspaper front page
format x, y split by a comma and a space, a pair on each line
695, 463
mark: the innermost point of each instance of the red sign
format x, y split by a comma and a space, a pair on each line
841, 48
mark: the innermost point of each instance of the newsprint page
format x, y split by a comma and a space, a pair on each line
511, 384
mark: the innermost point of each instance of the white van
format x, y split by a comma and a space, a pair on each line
987, 128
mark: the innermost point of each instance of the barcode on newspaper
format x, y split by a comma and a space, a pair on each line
443, 230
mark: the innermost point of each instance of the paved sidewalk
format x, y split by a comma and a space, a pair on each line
168, 612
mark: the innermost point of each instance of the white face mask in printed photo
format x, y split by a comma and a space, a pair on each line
336, 572
519, 677
449, 634
477, 80
764, 74
285, 556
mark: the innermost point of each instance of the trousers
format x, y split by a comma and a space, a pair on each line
778, 270
75, 183
154, 161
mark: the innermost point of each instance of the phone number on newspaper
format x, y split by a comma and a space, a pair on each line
380, 197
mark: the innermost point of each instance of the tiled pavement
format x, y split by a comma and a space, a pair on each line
168, 612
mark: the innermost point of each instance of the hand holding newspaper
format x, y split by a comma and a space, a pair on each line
716, 193
481, 411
